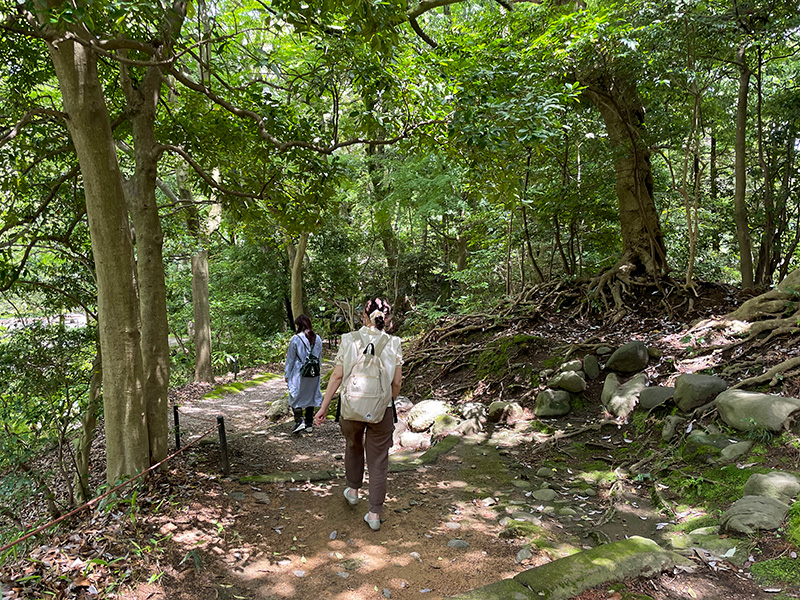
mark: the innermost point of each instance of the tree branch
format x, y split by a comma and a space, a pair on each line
425, 37
14, 131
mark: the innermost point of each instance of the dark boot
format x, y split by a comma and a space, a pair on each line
310, 418
299, 426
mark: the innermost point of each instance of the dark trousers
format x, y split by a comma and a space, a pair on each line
374, 441
309, 416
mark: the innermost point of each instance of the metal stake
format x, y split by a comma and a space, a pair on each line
223, 446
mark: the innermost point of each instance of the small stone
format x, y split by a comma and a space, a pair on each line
545, 472
524, 554
387, 593
453, 525
261, 498
460, 544
416, 556
343, 574
489, 501
333, 535
299, 573
545, 495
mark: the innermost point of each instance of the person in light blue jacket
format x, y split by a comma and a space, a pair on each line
304, 392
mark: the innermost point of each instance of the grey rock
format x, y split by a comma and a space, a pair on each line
572, 365
544, 495
409, 439
460, 544
545, 472
654, 352
735, 451
651, 397
444, 424
610, 386
403, 404
237, 495
670, 427
604, 350
473, 410
261, 497
569, 381
504, 412
552, 403
524, 554
748, 411
625, 397
754, 513
706, 448
279, 409
527, 517
629, 358
467, 427
693, 390
422, 416
780, 485
387, 593
570, 576
591, 366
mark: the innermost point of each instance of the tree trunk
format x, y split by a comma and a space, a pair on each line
83, 445
203, 371
125, 412
141, 188
740, 171
297, 257
623, 115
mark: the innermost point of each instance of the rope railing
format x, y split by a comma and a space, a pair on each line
219, 426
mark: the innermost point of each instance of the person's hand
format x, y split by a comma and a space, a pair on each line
319, 417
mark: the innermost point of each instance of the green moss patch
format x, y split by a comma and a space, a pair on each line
782, 571
237, 387
498, 354
713, 488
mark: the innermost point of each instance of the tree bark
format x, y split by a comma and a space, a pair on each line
623, 115
297, 257
740, 174
125, 412
141, 188
203, 371
83, 445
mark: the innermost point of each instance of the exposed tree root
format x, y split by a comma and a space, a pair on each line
771, 375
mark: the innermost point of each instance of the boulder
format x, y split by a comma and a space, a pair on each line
748, 411
552, 403
504, 412
409, 439
670, 427
754, 513
652, 397
569, 381
735, 451
777, 484
279, 409
443, 425
621, 401
629, 358
693, 390
473, 410
706, 448
572, 365
403, 404
591, 366
422, 416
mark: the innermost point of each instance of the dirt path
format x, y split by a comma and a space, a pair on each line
484, 510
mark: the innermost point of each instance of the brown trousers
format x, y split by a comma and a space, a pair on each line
374, 439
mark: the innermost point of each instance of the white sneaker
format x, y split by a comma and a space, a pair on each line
299, 428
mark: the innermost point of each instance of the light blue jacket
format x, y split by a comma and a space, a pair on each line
303, 391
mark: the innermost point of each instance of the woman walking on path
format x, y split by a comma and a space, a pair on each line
362, 438
304, 392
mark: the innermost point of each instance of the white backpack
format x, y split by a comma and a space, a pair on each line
366, 391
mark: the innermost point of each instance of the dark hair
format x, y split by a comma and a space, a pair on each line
303, 325
384, 320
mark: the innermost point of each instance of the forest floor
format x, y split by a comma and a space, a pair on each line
451, 525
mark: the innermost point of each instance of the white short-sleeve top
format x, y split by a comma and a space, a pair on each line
351, 346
